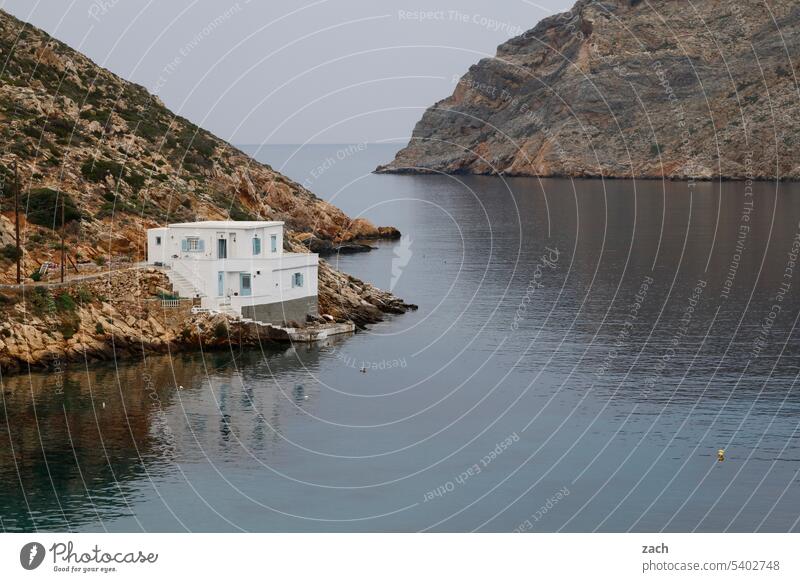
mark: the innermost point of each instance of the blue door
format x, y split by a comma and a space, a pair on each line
220, 284
245, 288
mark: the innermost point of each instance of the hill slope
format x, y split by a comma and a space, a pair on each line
627, 88
125, 163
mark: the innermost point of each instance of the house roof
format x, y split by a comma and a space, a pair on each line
228, 224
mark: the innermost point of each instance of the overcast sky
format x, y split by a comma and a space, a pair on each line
290, 71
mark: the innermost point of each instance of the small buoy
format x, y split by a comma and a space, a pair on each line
305, 397
104, 404
180, 387
721, 455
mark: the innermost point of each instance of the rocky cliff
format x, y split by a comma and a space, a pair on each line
122, 163
627, 88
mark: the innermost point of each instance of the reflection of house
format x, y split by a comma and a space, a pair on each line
237, 267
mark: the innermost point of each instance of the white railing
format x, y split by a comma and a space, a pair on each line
170, 303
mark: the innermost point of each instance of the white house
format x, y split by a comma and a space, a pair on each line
237, 267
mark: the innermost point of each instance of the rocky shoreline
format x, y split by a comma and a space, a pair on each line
122, 317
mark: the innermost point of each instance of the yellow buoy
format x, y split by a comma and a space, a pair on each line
721, 455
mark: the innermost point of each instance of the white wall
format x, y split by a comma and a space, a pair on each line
271, 272
155, 252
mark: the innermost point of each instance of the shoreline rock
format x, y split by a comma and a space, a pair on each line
121, 317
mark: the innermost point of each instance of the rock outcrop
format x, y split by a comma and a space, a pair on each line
121, 315
625, 88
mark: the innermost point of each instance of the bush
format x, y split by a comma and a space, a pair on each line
36, 276
44, 208
99, 329
69, 328
41, 301
100, 260
61, 128
136, 181
221, 330
65, 302
84, 295
11, 252
97, 170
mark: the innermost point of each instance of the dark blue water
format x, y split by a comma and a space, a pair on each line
581, 352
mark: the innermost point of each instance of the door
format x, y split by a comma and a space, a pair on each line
220, 284
245, 289
222, 248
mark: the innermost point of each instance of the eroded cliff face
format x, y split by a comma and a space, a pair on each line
627, 88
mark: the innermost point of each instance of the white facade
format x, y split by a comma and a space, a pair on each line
233, 264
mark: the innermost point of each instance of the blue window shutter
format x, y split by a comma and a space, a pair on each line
184, 245
300, 279
274, 242
256, 246
201, 245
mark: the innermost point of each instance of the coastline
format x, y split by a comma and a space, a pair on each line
123, 315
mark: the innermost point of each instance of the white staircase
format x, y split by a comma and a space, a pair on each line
181, 285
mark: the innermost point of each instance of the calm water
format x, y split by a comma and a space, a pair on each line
581, 352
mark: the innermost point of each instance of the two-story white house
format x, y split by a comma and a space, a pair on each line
237, 267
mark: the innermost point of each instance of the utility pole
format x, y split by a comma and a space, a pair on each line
16, 223
63, 241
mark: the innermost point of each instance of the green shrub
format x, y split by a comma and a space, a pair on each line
36, 276
44, 208
69, 328
100, 260
221, 330
84, 295
97, 170
98, 328
65, 302
61, 128
136, 181
167, 296
41, 301
238, 213
11, 252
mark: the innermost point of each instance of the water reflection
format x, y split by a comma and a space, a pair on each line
87, 453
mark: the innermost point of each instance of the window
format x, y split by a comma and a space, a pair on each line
297, 280
158, 241
273, 243
192, 244
256, 246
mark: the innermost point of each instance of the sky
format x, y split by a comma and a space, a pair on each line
290, 71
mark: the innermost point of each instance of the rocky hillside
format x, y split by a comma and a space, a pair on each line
627, 88
123, 163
